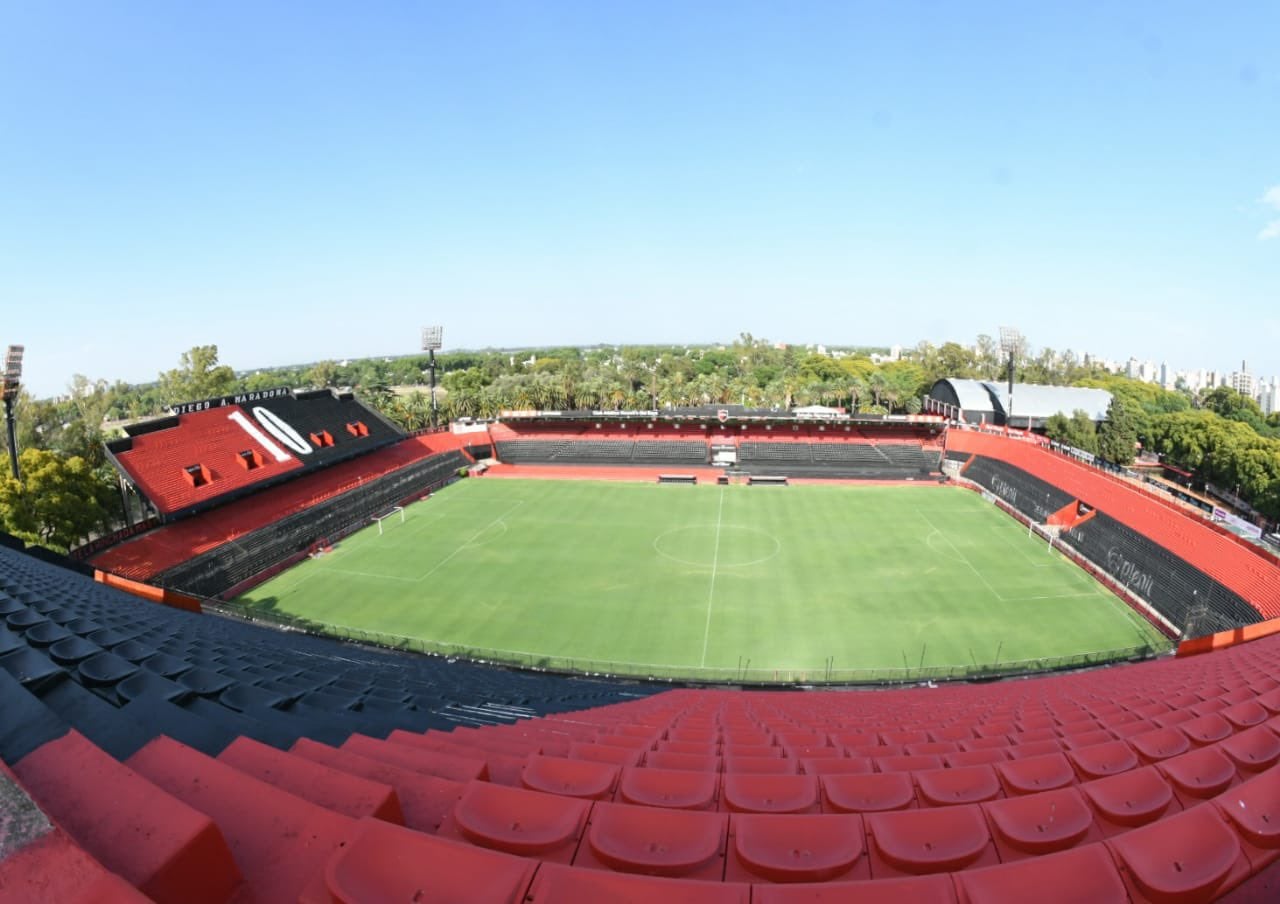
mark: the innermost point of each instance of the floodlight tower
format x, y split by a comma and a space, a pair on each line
1011, 345
431, 342
12, 381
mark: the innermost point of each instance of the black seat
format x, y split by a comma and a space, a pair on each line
25, 618
96, 719
46, 634
8, 605
242, 697
168, 718
134, 650
73, 649
110, 637
10, 641
148, 684
25, 722
166, 665
31, 667
105, 669
328, 700
83, 625
205, 682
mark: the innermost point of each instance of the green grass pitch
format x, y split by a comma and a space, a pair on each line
693, 580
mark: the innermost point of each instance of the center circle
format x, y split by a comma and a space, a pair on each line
718, 546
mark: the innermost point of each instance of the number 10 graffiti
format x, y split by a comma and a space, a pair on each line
277, 427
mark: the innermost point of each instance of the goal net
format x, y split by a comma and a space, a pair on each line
389, 517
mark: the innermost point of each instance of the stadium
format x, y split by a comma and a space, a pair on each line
681, 654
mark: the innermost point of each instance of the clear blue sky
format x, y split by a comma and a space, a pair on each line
297, 181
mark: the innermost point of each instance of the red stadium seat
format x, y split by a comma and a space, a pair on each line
655, 841
975, 757
962, 785
1101, 760
1083, 874
873, 750
754, 793
528, 823
904, 737
1036, 824
687, 761
1199, 774
955, 733
329, 787
761, 765
1244, 714
1253, 809
814, 753
675, 788
796, 848
572, 778
1206, 729
907, 763
802, 738
1253, 749
931, 889
933, 748
752, 750
1033, 735
425, 800
1190, 857
1035, 749
931, 840
1160, 744
867, 793
693, 748
555, 884
837, 765
1087, 738
390, 863
1132, 798
1037, 773
605, 753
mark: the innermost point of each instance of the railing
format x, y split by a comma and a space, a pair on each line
744, 674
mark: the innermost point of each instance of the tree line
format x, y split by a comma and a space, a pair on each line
1221, 435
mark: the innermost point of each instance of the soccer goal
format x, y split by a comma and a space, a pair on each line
389, 516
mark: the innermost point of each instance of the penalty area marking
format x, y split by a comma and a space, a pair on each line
469, 542
965, 559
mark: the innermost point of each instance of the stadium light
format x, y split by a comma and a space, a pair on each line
12, 383
1012, 344
433, 341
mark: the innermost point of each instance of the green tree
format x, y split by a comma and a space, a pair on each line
1118, 434
198, 376
58, 503
1078, 430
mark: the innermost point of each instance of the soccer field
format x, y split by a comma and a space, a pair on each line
706, 581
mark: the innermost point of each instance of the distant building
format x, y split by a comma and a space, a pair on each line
1269, 395
1242, 381
987, 401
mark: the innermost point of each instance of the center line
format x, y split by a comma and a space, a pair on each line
715, 562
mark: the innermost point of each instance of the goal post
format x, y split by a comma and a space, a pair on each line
389, 515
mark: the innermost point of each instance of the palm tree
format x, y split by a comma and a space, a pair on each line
877, 384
